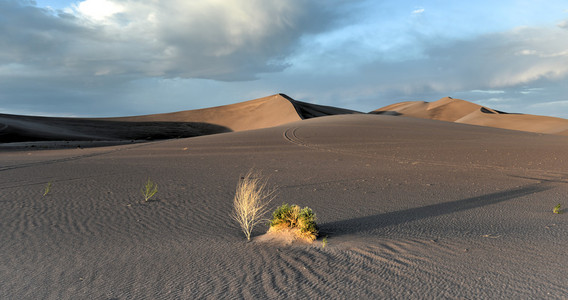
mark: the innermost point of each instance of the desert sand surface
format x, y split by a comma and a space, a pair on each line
412, 208
461, 111
49, 132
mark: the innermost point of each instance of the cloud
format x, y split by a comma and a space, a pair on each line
490, 61
527, 91
553, 104
98, 9
473, 68
488, 91
418, 11
86, 57
219, 40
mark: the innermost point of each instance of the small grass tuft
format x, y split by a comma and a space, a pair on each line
324, 242
557, 209
47, 188
149, 190
302, 222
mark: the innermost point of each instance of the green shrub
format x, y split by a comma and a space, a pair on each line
301, 222
557, 209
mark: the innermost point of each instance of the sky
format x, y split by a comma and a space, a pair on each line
103, 58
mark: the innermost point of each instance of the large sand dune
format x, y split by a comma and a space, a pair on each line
259, 113
460, 111
254, 114
412, 208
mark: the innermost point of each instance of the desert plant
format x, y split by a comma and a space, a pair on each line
557, 209
302, 222
251, 201
47, 188
149, 190
324, 242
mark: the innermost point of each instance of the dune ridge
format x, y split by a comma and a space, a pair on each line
461, 111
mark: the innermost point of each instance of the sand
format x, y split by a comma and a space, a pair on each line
412, 208
461, 111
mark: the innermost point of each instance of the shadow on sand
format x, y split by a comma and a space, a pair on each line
368, 223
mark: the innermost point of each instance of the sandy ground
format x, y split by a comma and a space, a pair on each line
412, 208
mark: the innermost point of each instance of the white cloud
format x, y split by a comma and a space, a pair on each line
528, 91
98, 9
223, 40
553, 104
490, 60
488, 91
497, 100
526, 52
418, 11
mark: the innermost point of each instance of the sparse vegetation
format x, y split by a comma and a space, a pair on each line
47, 188
251, 201
324, 242
149, 190
302, 222
557, 209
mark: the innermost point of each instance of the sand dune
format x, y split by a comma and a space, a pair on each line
412, 208
264, 112
260, 113
460, 111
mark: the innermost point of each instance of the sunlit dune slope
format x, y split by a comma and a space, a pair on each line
264, 112
460, 111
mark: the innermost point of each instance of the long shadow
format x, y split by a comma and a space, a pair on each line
386, 112
368, 223
25, 129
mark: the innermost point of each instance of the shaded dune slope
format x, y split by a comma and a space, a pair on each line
255, 114
460, 111
15, 128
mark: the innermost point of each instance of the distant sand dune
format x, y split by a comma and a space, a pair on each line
460, 111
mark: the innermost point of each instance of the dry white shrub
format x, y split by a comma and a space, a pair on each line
251, 201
